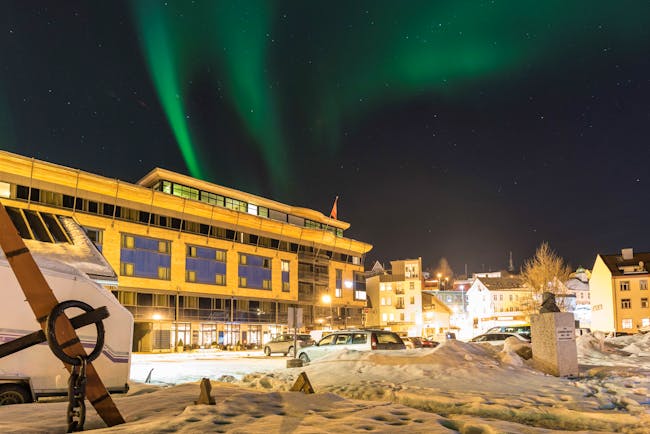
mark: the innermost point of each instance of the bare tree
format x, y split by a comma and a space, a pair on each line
546, 272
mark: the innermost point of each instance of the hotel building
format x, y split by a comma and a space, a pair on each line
198, 262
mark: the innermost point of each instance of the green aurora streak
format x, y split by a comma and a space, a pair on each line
296, 70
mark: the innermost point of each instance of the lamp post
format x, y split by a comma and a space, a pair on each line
439, 281
327, 299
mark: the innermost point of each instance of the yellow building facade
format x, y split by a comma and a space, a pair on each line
620, 298
200, 264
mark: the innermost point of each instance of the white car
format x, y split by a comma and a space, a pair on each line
497, 338
523, 330
360, 340
283, 344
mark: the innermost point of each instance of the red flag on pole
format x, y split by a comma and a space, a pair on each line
333, 213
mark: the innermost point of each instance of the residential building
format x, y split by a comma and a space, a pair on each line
578, 287
495, 301
436, 317
395, 298
455, 302
619, 292
198, 262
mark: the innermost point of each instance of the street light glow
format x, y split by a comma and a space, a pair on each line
327, 298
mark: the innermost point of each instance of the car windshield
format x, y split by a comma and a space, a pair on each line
388, 338
342, 339
327, 340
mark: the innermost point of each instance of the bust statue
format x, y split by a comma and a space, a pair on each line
548, 303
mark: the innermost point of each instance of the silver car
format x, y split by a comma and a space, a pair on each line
283, 344
360, 340
497, 338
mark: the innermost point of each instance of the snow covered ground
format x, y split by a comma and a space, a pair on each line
457, 387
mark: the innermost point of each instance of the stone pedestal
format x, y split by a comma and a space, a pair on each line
553, 341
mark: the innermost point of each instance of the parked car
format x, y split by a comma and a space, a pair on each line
283, 344
360, 340
429, 343
497, 338
412, 342
523, 330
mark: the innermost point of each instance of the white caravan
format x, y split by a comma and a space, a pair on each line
75, 270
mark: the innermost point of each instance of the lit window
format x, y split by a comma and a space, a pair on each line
126, 269
163, 246
163, 273
242, 281
220, 279
161, 300
128, 241
286, 287
252, 209
285, 266
242, 260
191, 251
391, 317
220, 255
126, 298
190, 276
645, 322
384, 317
383, 301
338, 293
626, 323
190, 302
266, 284
5, 189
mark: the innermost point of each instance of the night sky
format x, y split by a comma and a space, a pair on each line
453, 129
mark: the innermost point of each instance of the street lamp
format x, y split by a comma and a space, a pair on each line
327, 299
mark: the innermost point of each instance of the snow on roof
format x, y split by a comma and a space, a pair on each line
80, 257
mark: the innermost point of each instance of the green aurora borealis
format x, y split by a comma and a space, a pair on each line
294, 72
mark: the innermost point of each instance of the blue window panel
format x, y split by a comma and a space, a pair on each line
254, 275
194, 264
146, 243
205, 270
285, 276
99, 247
205, 253
145, 263
254, 261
